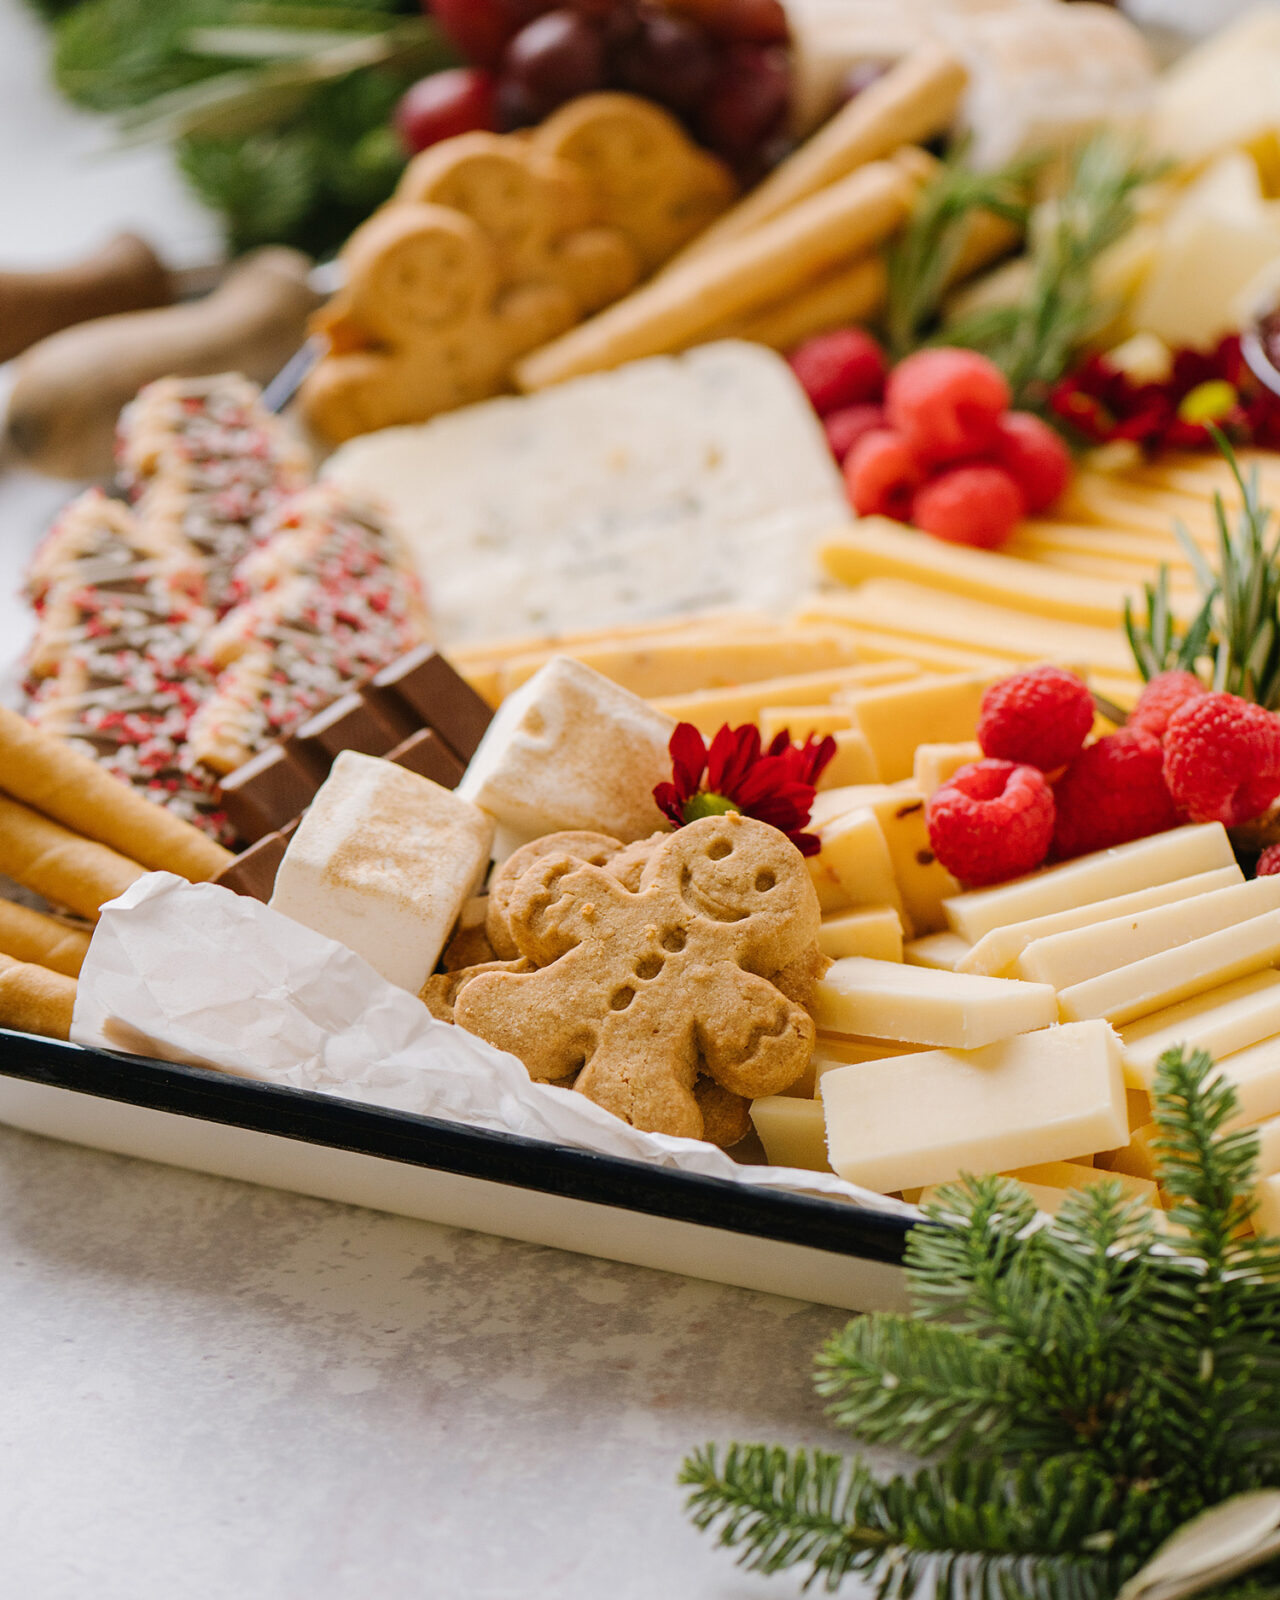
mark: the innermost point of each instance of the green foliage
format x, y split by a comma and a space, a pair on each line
279, 112
1235, 637
1084, 1384
1033, 340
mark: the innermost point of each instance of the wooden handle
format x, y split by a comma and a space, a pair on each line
69, 388
124, 275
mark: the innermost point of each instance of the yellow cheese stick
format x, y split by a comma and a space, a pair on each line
874, 645
60, 865
44, 772
683, 305
707, 709
35, 1000
915, 100
878, 548
27, 935
846, 295
1039, 534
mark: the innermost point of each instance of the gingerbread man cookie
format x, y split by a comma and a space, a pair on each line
640, 991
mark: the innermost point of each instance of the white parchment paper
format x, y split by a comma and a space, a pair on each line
195, 974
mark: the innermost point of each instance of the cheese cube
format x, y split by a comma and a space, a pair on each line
571, 750
853, 761
1221, 1021
898, 717
927, 1118
875, 932
933, 764
1161, 980
945, 951
924, 1006
856, 855
1073, 957
923, 883
1137, 1158
995, 953
798, 722
1254, 1074
831, 897
793, 1132
383, 861
1180, 853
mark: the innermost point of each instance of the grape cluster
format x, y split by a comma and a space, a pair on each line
721, 66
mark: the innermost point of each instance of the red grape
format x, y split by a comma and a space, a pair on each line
447, 103
555, 58
671, 61
740, 21
479, 28
749, 103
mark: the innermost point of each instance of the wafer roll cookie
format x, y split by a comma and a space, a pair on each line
915, 100
850, 294
680, 308
54, 862
27, 935
35, 1000
43, 772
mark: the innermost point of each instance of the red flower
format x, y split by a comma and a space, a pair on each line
774, 785
1103, 403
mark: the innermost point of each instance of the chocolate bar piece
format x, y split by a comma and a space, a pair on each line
253, 872
416, 712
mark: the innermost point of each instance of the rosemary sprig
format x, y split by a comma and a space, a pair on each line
923, 261
1033, 340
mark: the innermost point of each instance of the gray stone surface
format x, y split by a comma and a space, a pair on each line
212, 1389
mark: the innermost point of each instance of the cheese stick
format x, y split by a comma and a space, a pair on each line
58, 864
27, 935
850, 294
915, 100
35, 1000
72, 788
681, 307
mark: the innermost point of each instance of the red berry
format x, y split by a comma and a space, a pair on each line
1040, 717
1112, 792
1034, 456
839, 369
1269, 862
881, 475
461, 100
990, 821
479, 28
1222, 758
556, 58
750, 101
978, 504
845, 427
947, 402
1161, 698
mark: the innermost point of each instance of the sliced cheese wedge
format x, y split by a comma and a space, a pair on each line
875, 931
995, 953
1075, 956
1162, 980
1254, 1074
793, 1132
855, 858
922, 1005
927, 1118
1221, 1021
1180, 853
943, 951
922, 882
897, 717
933, 764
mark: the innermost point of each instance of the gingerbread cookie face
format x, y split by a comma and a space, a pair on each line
638, 992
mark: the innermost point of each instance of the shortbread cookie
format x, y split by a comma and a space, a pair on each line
639, 992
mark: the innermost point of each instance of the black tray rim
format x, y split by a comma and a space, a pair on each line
512, 1160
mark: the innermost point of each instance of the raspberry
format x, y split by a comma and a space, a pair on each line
1034, 456
1040, 717
1161, 698
1269, 862
1112, 792
845, 427
977, 505
990, 821
844, 368
1222, 758
947, 403
881, 475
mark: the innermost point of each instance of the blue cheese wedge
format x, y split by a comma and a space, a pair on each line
672, 485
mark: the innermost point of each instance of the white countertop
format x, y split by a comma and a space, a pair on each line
213, 1389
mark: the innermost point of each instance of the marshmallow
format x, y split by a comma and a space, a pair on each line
571, 750
383, 862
